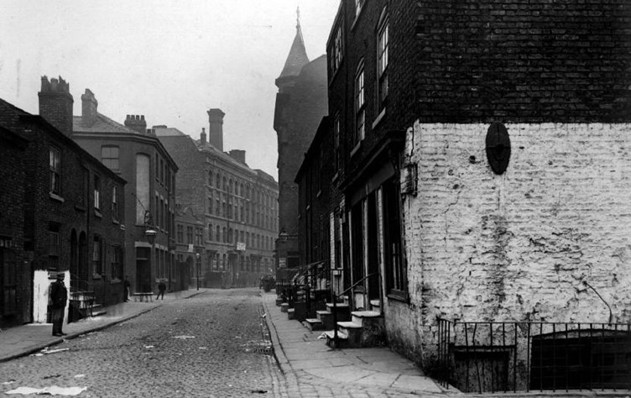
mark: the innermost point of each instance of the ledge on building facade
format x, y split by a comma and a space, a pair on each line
56, 197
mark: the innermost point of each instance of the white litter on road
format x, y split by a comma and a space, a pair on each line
47, 351
52, 390
184, 337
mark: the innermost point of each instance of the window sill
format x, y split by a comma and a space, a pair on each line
357, 17
56, 197
98, 213
399, 295
379, 118
319, 193
356, 148
79, 208
335, 177
115, 221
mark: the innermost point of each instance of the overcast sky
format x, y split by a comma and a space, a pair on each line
168, 60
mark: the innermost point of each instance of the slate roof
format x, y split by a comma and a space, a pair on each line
297, 57
163, 131
103, 124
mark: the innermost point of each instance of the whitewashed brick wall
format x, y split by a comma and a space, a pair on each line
517, 246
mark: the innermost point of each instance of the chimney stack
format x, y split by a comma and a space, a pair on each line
89, 105
215, 128
238, 155
55, 104
202, 136
136, 123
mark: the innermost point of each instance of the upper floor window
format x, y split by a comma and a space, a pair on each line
382, 59
97, 192
336, 52
359, 4
55, 170
360, 106
336, 141
115, 203
110, 156
210, 178
189, 235
180, 233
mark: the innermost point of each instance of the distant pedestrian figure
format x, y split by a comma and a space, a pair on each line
126, 289
161, 288
58, 298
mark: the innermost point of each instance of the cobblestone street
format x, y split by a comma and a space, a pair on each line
209, 345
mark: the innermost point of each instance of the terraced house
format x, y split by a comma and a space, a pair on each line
66, 210
482, 169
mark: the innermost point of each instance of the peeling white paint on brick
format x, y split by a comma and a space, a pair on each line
516, 246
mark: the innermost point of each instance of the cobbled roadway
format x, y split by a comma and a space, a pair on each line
210, 345
214, 344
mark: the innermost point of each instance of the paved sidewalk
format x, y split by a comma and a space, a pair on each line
299, 351
27, 339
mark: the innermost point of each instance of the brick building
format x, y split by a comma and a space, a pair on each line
189, 232
71, 211
237, 205
136, 154
483, 165
301, 103
15, 278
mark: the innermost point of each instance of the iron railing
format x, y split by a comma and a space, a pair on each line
336, 297
523, 356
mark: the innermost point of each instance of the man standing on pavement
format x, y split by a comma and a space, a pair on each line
161, 288
58, 299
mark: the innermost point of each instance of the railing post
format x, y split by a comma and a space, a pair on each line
335, 321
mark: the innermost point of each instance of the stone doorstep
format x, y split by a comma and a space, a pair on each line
375, 304
342, 339
284, 307
290, 313
353, 331
363, 317
337, 305
314, 324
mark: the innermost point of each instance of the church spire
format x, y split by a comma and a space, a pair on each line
297, 57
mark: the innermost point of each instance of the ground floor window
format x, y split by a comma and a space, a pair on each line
395, 266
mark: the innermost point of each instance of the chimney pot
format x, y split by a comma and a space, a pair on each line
56, 104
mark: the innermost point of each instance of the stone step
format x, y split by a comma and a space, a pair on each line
353, 331
314, 324
342, 339
375, 305
284, 307
326, 317
98, 313
290, 313
362, 317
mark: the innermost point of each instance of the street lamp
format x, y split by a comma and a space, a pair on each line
198, 256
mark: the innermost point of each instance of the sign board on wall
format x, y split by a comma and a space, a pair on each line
241, 246
282, 262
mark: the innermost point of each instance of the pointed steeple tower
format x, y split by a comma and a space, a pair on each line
296, 59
